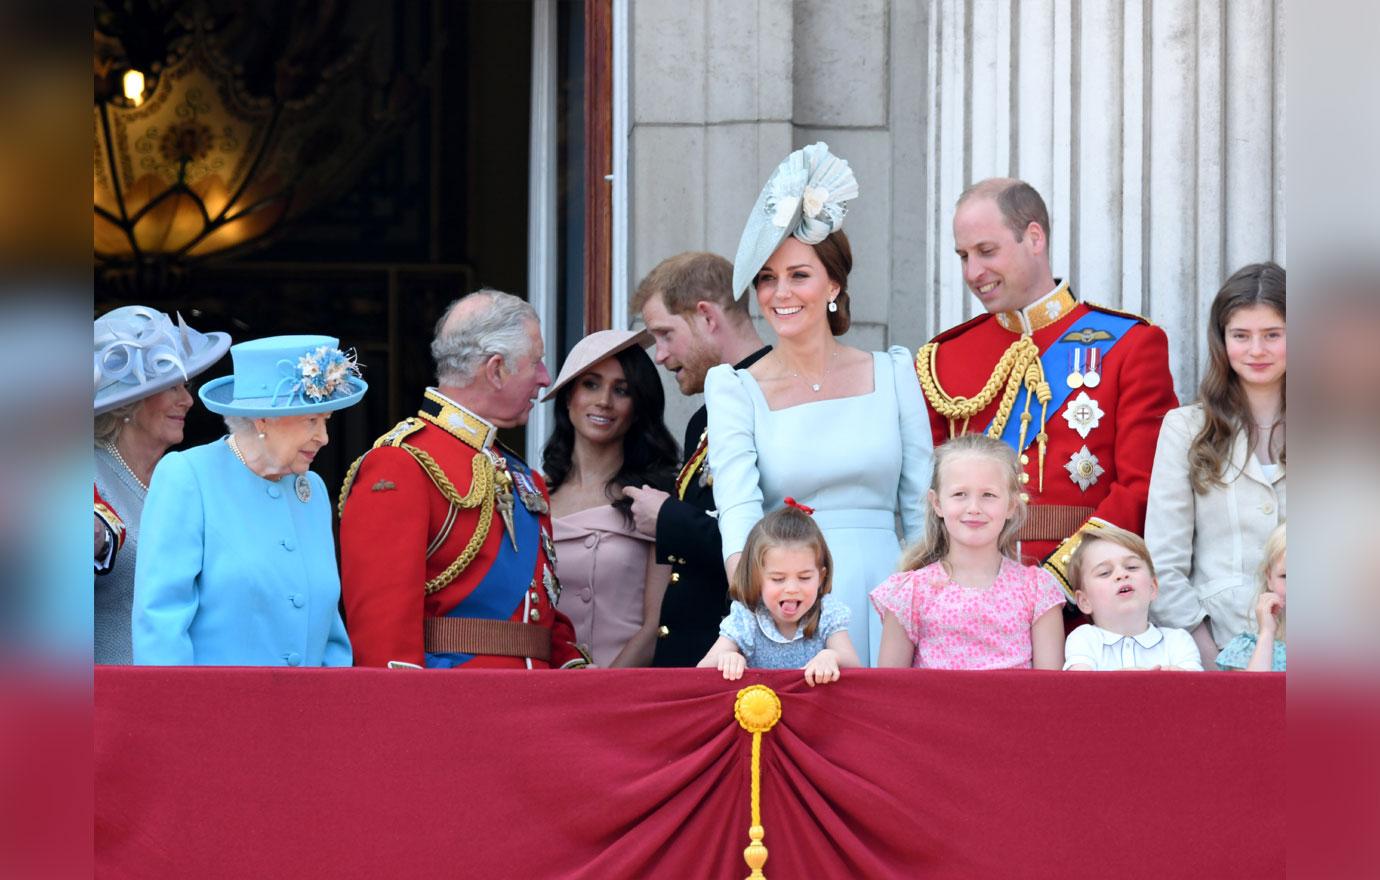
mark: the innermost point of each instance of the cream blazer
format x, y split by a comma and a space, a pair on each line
1207, 549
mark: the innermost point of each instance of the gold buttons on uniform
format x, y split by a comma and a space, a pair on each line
663, 631
1025, 498
675, 577
535, 615
1025, 460
1025, 478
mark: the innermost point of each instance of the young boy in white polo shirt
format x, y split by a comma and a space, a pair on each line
1114, 582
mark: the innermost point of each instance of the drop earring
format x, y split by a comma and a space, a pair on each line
833, 306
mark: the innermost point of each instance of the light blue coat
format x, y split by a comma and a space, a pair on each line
234, 570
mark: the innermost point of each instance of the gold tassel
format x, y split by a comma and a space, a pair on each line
757, 710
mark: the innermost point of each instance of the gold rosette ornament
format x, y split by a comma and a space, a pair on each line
757, 710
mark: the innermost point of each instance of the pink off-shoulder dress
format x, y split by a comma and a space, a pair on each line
956, 627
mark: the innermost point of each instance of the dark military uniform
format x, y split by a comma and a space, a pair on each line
687, 539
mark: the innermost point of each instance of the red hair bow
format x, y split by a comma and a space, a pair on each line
791, 502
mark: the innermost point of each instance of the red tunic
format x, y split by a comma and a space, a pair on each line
1135, 391
393, 511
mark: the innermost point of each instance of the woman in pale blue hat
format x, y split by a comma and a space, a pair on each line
841, 430
237, 565
143, 362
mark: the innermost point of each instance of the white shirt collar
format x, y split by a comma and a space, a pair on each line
1148, 639
768, 627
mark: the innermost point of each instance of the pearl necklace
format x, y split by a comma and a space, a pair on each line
110, 447
235, 448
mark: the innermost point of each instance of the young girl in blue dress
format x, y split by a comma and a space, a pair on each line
1261, 648
783, 616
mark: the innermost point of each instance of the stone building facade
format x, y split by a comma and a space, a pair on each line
1154, 129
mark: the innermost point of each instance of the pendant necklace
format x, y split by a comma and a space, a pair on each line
815, 386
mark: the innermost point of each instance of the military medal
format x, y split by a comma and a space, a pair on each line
1083, 414
553, 586
1093, 376
1075, 377
1083, 468
532, 498
303, 487
548, 545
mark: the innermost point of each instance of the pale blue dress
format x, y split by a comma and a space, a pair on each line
858, 461
763, 646
1238, 652
235, 569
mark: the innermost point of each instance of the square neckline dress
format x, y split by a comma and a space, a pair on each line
858, 461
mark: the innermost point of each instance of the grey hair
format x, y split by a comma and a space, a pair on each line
497, 325
239, 424
110, 424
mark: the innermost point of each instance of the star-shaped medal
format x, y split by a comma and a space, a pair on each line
1083, 414
1083, 468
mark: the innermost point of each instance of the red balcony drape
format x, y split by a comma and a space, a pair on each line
490, 774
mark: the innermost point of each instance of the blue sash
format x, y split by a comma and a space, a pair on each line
505, 584
1055, 363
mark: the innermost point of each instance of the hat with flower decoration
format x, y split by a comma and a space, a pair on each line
286, 376
140, 352
804, 197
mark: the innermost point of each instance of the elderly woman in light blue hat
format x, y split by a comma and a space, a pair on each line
841, 430
143, 362
238, 566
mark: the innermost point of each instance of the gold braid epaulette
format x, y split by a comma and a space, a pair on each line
1019, 365
1010, 372
481, 494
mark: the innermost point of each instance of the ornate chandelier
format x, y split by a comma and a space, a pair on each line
213, 127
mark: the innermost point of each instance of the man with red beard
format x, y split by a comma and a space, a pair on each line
687, 303
1077, 389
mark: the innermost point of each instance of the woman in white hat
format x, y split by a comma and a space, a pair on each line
143, 362
609, 434
843, 431
237, 565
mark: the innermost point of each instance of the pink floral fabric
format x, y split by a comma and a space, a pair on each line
955, 627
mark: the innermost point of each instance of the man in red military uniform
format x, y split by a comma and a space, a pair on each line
1077, 389
446, 551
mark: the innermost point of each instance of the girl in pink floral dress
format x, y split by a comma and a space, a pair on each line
961, 600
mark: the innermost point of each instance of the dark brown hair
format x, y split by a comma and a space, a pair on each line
836, 254
788, 526
1225, 412
688, 278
